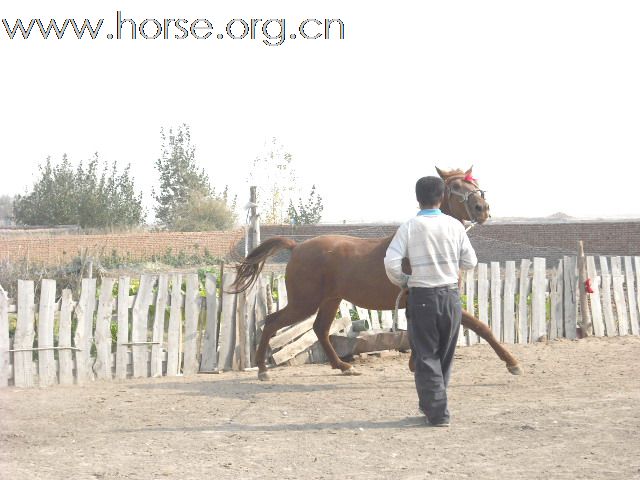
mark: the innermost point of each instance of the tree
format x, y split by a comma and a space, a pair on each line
89, 196
308, 213
273, 174
185, 192
107, 199
6, 209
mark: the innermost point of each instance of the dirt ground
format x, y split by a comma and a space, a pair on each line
573, 414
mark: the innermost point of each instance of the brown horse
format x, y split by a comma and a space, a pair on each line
326, 269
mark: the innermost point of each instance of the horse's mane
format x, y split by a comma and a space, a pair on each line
450, 173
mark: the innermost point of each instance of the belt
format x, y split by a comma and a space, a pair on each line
452, 286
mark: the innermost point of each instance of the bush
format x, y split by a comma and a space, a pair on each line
203, 213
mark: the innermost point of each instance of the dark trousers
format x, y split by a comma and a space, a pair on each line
433, 316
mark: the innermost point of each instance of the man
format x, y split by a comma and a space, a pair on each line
437, 247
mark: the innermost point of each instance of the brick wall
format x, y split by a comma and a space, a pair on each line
499, 241
600, 238
137, 246
493, 242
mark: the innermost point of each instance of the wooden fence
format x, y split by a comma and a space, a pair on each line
175, 325
540, 303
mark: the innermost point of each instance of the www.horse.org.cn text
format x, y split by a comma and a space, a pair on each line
271, 32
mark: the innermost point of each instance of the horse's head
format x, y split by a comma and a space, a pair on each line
463, 198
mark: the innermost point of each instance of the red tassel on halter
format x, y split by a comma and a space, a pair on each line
587, 286
469, 178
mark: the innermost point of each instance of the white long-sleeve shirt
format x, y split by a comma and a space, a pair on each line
437, 247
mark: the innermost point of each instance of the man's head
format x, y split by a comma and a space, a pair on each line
429, 192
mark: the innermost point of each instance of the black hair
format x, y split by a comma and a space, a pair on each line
429, 191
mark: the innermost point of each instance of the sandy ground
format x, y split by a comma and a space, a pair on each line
574, 414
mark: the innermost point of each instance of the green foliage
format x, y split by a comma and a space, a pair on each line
202, 273
309, 212
184, 259
202, 213
91, 196
186, 201
113, 326
6, 209
180, 175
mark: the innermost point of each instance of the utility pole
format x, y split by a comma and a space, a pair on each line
253, 239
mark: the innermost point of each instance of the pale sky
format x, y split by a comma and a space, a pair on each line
542, 97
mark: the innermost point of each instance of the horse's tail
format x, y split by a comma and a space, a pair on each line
249, 269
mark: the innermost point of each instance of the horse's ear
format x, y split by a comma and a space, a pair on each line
468, 172
441, 173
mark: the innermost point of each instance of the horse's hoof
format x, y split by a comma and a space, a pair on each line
264, 376
515, 369
351, 371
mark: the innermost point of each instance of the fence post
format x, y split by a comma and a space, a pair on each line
607, 305
4, 338
65, 356
508, 333
483, 296
244, 306
538, 300
83, 337
209, 360
555, 297
261, 313
191, 315
23, 361
496, 304
596, 306
102, 365
122, 350
570, 304
523, 293
46, 361
618, 296
282, 292
585, 317
470, 306
140, 326
175, 326
158, 325
634, 325
227, 339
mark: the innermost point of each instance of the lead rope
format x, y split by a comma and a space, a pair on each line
394, 328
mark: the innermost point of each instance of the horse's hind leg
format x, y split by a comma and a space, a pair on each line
475, 325
322, 325
274, 322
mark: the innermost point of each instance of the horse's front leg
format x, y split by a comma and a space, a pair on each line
475, 325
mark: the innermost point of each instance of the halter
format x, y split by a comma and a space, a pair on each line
464, 197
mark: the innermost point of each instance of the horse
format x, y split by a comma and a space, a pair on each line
326, 269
